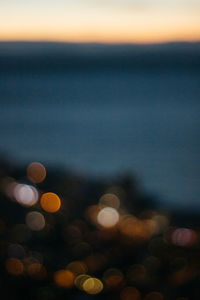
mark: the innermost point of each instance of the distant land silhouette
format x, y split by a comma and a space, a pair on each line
60, 56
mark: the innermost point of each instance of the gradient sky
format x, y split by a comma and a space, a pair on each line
100, 20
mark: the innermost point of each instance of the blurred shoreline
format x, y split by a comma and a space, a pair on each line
149, 252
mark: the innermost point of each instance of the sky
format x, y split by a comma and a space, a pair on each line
137, 21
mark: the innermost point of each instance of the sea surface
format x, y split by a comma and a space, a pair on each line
108, 122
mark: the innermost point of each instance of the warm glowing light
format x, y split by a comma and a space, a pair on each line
92, 23
108, 217
14, 266
79, 281
26, 195
36, 172
126, 226
135, 230
161, 222
110, 200
91, 213
130, 293
35, 220
92, 286
154, 296
64, 278
50, 202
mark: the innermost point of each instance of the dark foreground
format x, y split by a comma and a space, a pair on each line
118, 246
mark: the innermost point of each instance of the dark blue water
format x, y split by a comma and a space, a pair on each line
108, 122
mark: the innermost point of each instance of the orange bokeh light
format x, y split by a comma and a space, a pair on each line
64, 278
14, 266
50, 202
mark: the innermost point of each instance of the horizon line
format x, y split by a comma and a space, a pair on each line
181, 41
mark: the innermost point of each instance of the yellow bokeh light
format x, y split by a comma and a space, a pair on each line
92, 286
36, 172
14, 266
50, 202
108, 217
64, 278
79, 281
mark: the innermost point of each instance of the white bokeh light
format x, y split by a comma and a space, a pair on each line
26, 195
108, 217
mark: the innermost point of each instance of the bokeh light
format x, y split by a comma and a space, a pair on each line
161, 223
36, 172
80, 279
130, 293
14, 266
135, 230
92, 286
108, 217
9, 185
91, 214
50, 202
110, 200
26, 195
96, 246
64, 278
77, 267
35, 220
184, 237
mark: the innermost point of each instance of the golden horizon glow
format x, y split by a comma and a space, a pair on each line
107, 37
112, 22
